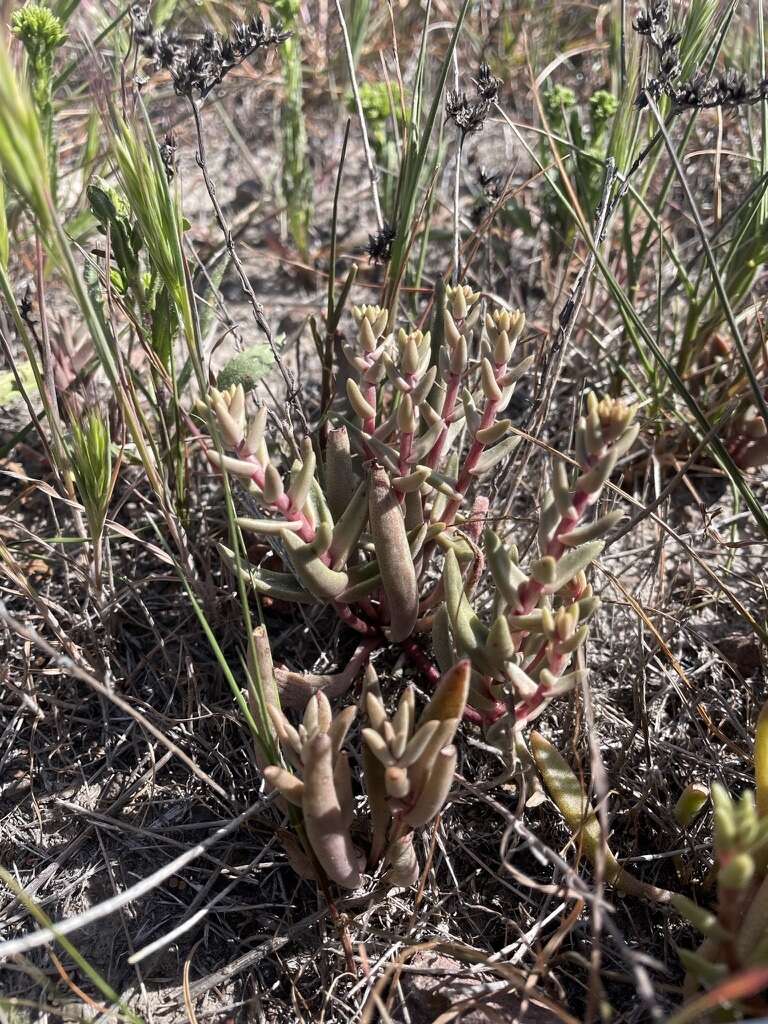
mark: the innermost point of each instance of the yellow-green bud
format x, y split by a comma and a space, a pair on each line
737, 873
690, 803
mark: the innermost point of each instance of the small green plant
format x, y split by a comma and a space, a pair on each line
23, 154
297, 175
41, 33
113, 216
582, 145
557, 102
91, 460
144, 228
382, 105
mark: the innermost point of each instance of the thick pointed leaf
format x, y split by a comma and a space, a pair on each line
507, 575
491, 457
325, 583
574, 561
281, 586
390, 540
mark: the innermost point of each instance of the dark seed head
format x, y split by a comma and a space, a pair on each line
487, 85
197, 67
468, 115
379, 248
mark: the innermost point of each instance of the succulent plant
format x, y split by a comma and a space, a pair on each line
408, 772
522, 656
364, 527
321, 786
735, 929
409, 764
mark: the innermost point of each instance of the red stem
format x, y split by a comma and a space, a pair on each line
526, 708
490, 409
347, 616
580, 504
432, 675
406, 444
454, 382
532, 590
284, 505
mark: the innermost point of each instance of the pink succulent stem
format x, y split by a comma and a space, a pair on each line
556, 664
525, 708
454, 383
432, 674
422, 662
580, 504
532, 590
529, 597
490, 409
347, 616
534, 664
369, 608
283, 505
499, 710
499, 707
406, 445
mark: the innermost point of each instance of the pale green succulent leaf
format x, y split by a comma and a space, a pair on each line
574, 561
